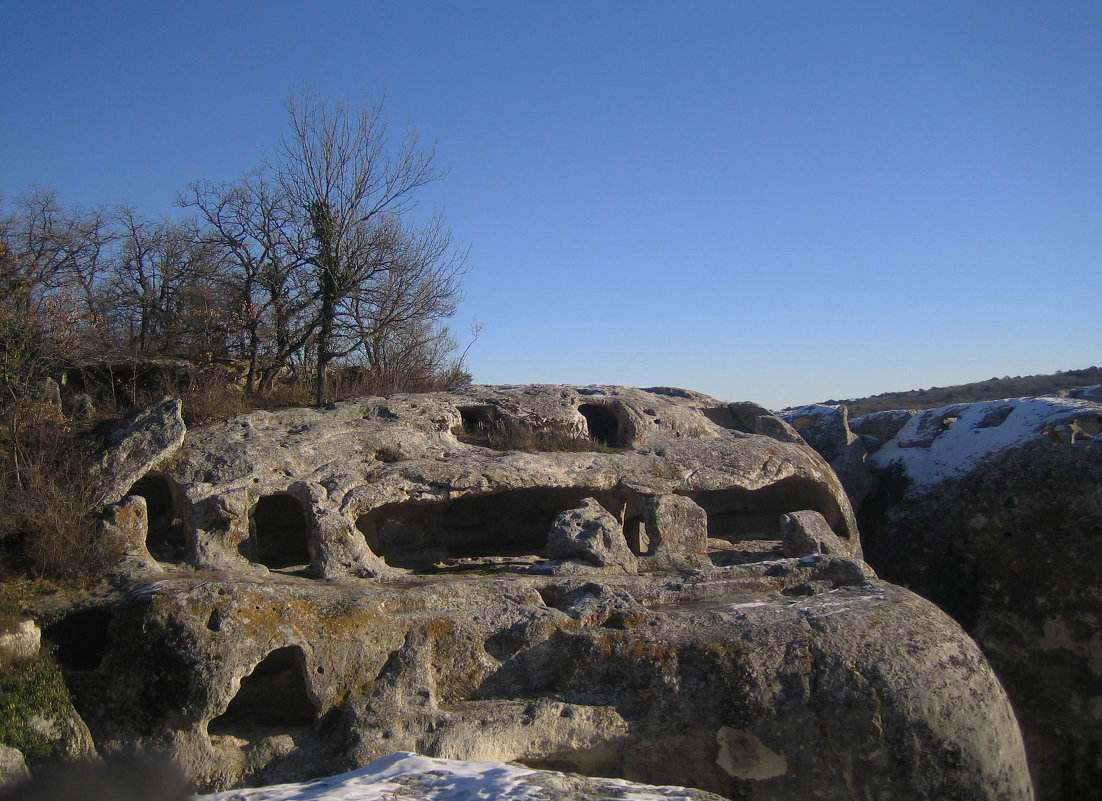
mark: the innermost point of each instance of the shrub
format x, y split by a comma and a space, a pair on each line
47, 497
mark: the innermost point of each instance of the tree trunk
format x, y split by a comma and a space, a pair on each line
325, 331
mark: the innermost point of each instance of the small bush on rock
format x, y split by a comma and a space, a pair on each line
48, 510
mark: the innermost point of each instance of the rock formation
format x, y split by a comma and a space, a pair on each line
308, 590
827, 430
994, 511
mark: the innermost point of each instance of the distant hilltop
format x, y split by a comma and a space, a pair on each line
1059, 383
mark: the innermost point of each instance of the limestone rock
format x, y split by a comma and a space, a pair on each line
876, 428
676, 530
590, 533
138, 443
826, 429
954, 440
1092, 393
21, 643
755, 419
805, 533
13, 770
334, 585
994, 511
736, 681
373, 486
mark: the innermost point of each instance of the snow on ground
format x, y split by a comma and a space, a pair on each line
408, 776
950, 441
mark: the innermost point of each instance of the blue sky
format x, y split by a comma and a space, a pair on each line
775, 201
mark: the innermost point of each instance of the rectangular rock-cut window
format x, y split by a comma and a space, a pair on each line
279, 532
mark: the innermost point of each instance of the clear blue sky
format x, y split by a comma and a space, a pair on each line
778, 201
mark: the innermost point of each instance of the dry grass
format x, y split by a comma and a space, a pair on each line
47, 512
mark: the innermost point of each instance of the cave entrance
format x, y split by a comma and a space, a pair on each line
477, 420
82, 638
273, 698
414, 536
744, 525
279, 533
738, 514
604, 424
166, 539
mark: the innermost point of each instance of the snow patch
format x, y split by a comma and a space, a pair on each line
950, 441
406, 775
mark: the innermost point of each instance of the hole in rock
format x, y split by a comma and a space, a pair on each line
279, 532
946, 423
273, 698
995, 417
635, 533
166, 540
514, 523
82, 638
740, 515
477, 420
604, 425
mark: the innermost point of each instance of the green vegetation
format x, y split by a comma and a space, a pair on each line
991, 389
28, 691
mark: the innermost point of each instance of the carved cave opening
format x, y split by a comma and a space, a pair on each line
738, 514
166, 539
273, 698
604, 425
82, 638
415, 536
278, 532
477, 420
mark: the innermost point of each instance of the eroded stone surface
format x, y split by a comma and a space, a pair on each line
805, 533
271, 679
13, 770
590, 533
826, 429
329, 586
994, 511
139, 443
373, 486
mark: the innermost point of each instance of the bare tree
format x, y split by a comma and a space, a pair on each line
52, 259
263, 249
164, 299
338, 171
